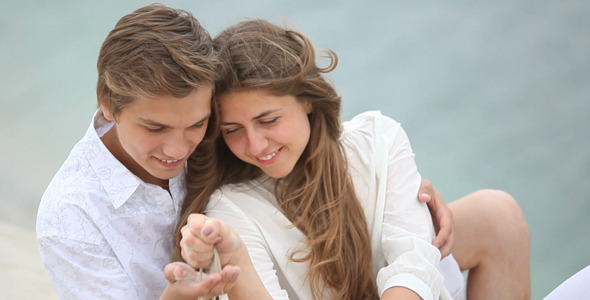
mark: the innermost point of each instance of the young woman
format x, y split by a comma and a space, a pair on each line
322, 209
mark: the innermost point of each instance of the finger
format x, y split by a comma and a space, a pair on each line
426, 191
444, 234
229, 276
424, 197
176, 271
218, 289
199, 237
210, 287
443, 226
195, 223
188, 283
446, 248
227, 241
212, 231
191, 234
206, 229
445, 239
196, 259
170, 272
196, 242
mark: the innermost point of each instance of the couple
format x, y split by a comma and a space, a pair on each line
295, 202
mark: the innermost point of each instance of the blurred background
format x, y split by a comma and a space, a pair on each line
493, 94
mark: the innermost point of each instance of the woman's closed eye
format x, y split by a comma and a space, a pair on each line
269, 122
230, 130
154, 129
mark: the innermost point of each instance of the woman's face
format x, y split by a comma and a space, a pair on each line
267, 131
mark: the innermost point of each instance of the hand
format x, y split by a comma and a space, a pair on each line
442, 217
185, 282
201, 234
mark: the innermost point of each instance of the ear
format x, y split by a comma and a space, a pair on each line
104, 107
308, 106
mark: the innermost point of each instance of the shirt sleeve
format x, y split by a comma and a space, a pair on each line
407, 229
387, 182
77, 256
81, 270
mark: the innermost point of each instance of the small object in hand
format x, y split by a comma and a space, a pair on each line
214, 269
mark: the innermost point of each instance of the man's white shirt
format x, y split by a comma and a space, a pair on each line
103, 233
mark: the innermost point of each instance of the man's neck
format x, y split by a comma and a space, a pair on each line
111, 142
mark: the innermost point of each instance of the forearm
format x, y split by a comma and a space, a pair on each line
248, 285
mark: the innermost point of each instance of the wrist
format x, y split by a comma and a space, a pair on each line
240, 256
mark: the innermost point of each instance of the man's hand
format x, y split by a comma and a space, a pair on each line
184, 282
442, 217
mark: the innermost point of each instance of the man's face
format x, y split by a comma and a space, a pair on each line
153, 138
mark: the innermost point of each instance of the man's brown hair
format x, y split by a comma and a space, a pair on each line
154, 51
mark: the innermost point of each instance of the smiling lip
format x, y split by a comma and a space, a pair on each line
169, 163
270, 158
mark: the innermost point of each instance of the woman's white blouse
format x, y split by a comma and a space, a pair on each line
386, 180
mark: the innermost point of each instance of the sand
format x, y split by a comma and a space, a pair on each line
22, 275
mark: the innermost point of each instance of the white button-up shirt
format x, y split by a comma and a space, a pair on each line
103, 233
386, 181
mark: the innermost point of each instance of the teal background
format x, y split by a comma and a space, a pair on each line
493, 94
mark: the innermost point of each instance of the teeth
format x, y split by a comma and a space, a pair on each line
268, 157
169, 161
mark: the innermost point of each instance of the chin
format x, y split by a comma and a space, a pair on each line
279, 174
167, 175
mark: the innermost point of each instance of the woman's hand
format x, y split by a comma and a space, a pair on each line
201, 235
442, 217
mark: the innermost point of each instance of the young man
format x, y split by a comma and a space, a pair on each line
106, 222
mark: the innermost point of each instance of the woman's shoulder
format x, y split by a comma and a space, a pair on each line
367, 126
369, 120
369, 134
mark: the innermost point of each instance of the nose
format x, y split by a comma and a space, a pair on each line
176, 146
257, 142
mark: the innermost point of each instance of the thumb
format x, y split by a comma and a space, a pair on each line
426, 189
424, 196
177, 271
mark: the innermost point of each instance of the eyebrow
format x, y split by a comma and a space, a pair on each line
154, 123
260, 116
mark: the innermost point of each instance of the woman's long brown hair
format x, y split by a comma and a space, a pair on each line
318, 195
